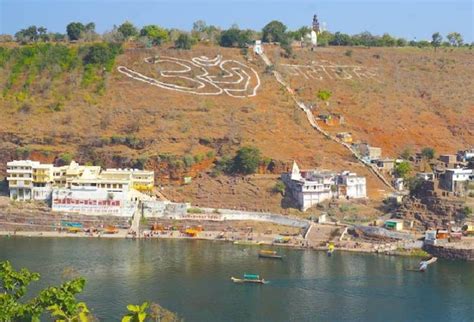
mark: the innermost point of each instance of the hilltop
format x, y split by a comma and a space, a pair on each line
408, 98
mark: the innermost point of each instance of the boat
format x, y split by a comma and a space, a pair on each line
111, 230
249, 278
424, 264
330, 249
269, 254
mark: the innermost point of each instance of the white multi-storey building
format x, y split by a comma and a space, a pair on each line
351, 185
455, 179
78, 188
310, 187
20, 179
29, 180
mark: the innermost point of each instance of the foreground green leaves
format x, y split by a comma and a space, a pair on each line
59, 301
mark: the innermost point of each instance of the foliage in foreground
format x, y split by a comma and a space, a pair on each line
59, 301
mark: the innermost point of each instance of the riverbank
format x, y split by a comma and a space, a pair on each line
297, 243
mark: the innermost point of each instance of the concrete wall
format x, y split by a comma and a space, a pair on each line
450, 253
178, 211
382, 232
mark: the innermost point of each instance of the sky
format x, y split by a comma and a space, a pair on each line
410, 19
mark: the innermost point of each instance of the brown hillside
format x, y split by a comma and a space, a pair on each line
420, 98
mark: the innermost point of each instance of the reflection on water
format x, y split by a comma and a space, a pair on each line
192, 278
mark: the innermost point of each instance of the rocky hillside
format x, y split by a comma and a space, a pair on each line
178, 112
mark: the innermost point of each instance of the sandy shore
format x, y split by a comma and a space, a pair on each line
207, 235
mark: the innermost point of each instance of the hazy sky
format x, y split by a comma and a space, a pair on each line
403, 18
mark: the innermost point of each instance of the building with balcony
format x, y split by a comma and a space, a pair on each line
141, 180
310, 187
20, 179
79, 188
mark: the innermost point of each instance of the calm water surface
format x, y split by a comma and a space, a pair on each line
192, 279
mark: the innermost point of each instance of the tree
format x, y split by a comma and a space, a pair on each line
42, 33
436, 40
423, 44
414, 184
403, 169
184, 41
428, 153
199, 26
60, 301
388, 40
246, 161
340, 39
285, 44
113, 36
274, 32
74, 30
235, 37
300, 33
90, 27
455, 39
137, 313
128, 30
402, 42
57, 36
325, 38
155, 33
29, 34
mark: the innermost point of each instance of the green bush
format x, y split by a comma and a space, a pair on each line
247, 160
188, 160
184, 41
65, 158
235, 37
324, 95
428, 153
27, 62
210, 154
403, 169
279, 187
23, 152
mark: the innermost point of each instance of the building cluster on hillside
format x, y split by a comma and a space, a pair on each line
453, 172
310, 187
78, 188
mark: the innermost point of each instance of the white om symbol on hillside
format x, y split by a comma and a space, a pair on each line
200, 76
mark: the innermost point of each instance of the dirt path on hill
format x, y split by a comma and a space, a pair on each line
314, 124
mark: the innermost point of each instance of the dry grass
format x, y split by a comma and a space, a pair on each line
423, 99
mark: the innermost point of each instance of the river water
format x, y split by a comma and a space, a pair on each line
191, 277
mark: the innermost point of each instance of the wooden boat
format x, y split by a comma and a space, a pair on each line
269, 254
110, 230
424, 264
249, 278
